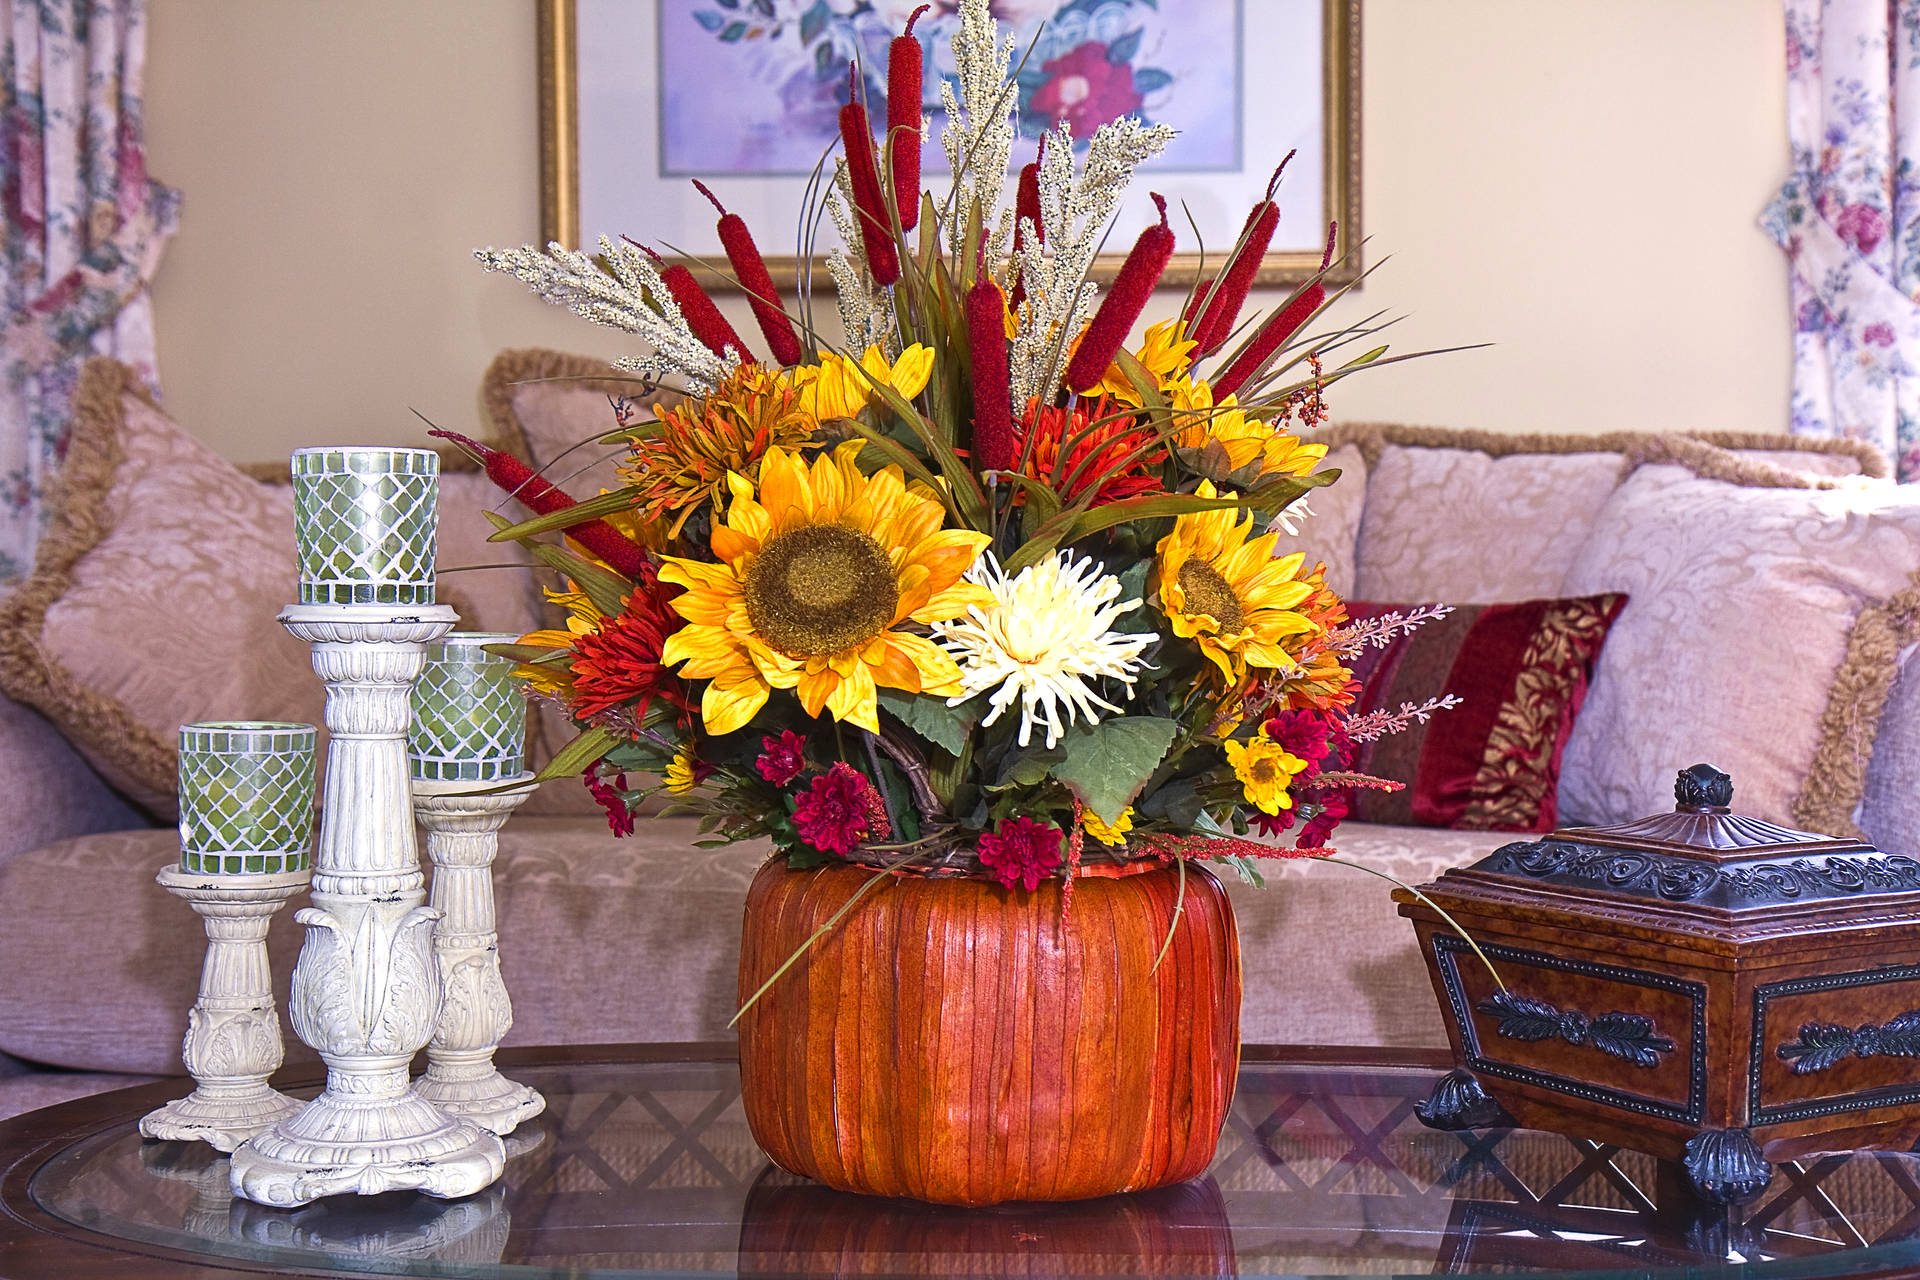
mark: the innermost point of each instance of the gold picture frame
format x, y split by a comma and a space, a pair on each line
1340, 96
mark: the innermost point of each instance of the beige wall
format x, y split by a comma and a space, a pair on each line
1575, 181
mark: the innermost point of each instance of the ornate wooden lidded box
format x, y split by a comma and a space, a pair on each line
1698, 985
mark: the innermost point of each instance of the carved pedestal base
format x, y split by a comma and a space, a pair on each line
463, 835
368, 1133
1458, 1102
233, 1031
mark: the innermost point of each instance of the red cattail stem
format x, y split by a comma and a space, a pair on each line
1278, 329
751, 271
1222, 310
1125, 300
883, 260
703, 318
1026, 208
993, 445
904, 71
621, 553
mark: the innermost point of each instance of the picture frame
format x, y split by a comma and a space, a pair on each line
598, 111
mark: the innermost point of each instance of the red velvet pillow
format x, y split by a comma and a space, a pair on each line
1493, 762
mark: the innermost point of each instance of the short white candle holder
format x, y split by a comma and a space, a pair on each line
463, 835
366, 995
233, 1031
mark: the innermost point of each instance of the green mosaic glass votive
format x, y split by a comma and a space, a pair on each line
246, 796
364, 518
469, 719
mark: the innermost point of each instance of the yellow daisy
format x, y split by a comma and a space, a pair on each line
1225, 589
1166, 352
836, 387
816, 576
582, 619
1266, 770
680, 775
1111, 836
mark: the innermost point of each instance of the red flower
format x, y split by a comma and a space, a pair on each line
1879, 334
620, 662
619, 816
1273, 824
839, 811
1086, 89
783, 757
1332, 812
1305, 735
1021, 852
1091, 455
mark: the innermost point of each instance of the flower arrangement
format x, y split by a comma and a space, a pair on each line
979, 589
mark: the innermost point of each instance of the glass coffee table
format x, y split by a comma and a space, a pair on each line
643, 1166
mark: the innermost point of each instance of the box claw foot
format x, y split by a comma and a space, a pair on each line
1725, 1166
1458, 1102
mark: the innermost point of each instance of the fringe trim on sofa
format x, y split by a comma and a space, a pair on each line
1373, 437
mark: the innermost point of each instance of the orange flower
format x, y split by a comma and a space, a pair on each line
681, 461
1091, 454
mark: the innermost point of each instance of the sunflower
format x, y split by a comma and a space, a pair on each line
840, 387
1220, 442
816, 575
1167, 354
1112, 836
1225, 589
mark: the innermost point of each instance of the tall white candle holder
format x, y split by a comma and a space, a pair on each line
467, 749
365, 994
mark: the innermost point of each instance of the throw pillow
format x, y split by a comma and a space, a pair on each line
154, 593
1492, 762
1737, 648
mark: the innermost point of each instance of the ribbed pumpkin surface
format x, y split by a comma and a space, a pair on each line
952, 1041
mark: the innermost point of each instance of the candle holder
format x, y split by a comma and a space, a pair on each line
468, 741
246, 825
365, 994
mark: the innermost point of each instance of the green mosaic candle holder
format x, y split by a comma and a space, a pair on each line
364, 519
246, 797
469, 719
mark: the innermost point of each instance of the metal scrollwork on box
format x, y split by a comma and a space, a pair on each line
1823, 1044
1627, 1036
1689, 880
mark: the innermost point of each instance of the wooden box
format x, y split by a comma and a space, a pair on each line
1698, 985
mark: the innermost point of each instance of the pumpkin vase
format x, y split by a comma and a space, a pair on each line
957, 1042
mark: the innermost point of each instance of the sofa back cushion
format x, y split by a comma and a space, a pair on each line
1743, 605
1331, 535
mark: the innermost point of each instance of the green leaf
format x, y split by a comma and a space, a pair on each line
607, 589
603, 504
813, 21
1133, 586
946, 727
1107, 764
1271, 497
572, 760
1178, 802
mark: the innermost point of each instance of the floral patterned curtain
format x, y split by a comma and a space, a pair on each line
81, 229
1849, 219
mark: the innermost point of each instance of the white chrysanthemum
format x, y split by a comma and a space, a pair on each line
1046, 635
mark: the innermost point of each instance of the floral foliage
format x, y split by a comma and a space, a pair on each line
918, 601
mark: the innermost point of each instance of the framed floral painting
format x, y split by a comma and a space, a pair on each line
743, 95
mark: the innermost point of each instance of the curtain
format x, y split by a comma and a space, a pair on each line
81, 229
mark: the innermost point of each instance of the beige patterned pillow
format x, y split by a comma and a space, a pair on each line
1742, 604
153, 597
1331, 535
555, 403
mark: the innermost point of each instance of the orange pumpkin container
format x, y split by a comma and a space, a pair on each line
956, 1042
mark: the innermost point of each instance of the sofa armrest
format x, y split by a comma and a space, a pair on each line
47, 792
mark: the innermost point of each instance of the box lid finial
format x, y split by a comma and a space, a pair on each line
1702, 789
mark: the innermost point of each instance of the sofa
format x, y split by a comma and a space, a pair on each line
607, 941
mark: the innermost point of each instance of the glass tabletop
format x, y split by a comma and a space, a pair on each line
647, 1169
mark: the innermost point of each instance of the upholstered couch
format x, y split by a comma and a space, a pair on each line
608, 940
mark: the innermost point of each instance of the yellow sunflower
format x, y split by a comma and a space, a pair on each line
1166, 352
1266, 771
1219, 441
1225, 589
1111, 836
682, 776
837, 387
816, 576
